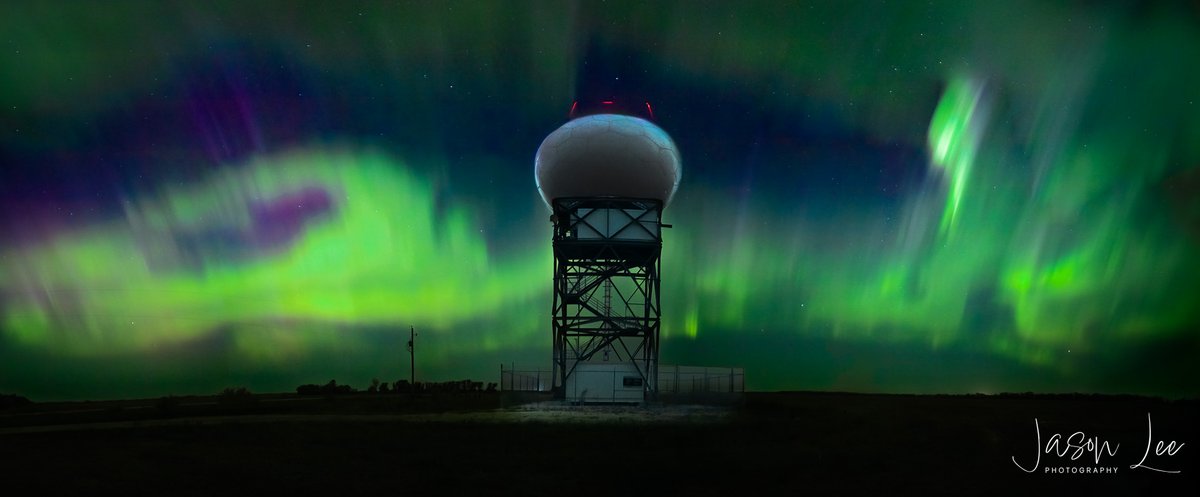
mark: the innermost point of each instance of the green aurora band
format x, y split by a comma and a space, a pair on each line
384, 259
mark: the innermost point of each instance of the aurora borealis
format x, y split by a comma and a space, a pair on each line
905, 197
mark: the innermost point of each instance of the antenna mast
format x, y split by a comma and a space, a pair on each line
412, 357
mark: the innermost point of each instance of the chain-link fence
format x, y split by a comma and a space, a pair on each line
683, 380
700, 379
533, 380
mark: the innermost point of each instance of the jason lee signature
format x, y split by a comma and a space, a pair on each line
1077, 444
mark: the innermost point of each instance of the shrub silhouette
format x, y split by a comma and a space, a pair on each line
9, 401
235, 392
332, 388
236, 396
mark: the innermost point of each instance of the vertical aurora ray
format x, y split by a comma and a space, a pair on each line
954, 136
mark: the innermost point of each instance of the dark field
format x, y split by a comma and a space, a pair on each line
470, 444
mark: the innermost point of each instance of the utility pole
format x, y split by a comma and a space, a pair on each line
412, 357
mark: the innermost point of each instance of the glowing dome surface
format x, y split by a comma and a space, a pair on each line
607, 155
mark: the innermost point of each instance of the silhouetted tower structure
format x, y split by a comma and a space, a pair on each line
607, 178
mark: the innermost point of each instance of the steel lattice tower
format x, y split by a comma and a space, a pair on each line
606, 284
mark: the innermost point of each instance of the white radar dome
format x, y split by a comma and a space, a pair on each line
607, 155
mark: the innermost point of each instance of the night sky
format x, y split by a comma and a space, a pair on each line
918, 197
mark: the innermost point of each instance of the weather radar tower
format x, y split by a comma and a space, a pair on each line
606, 176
